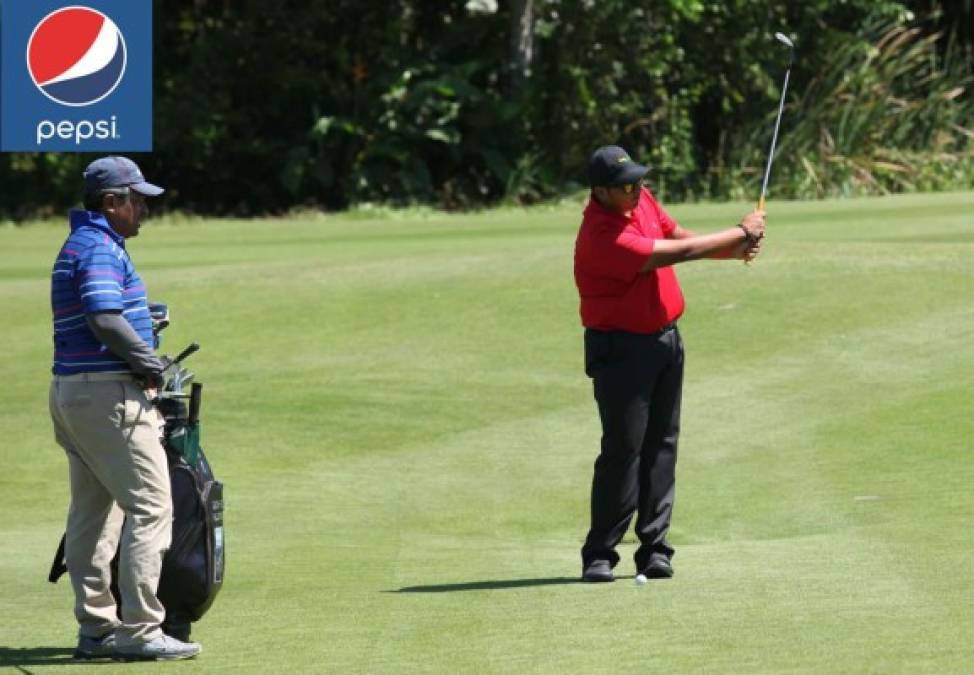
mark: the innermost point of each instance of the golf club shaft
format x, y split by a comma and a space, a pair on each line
774, 141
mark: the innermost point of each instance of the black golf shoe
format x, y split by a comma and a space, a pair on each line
659, 567
598, 571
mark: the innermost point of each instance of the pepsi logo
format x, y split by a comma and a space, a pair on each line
76, 56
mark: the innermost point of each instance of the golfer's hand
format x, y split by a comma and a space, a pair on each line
753, 224
152, 382
751, 251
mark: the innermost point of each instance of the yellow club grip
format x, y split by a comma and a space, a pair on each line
761, 204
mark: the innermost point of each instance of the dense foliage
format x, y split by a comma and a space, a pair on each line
261, 107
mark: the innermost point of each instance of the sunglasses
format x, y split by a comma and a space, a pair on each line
629, 188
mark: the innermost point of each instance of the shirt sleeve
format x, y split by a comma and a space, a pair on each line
118, 335
619, 255
100, 274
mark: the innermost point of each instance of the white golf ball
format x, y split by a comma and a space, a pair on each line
641, 579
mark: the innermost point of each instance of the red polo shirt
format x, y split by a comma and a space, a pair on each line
609, 252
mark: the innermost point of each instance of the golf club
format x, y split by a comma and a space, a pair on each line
781, 37
191, 349
174, 383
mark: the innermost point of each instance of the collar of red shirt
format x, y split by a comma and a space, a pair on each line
595, 211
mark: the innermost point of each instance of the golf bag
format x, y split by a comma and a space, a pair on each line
192, 568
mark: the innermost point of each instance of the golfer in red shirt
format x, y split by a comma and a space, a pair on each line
630, 302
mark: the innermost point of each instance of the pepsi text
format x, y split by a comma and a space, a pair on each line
79, 131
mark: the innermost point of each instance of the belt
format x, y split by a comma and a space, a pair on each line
625, 333
96, 377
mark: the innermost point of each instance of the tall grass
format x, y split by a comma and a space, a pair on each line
886, 114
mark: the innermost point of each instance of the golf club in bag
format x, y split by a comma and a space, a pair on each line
192, 568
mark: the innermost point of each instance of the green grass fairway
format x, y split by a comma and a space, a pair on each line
397, 407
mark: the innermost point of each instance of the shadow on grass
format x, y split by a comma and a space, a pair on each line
487, 585
36, 656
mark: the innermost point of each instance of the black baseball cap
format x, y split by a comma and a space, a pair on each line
611, 166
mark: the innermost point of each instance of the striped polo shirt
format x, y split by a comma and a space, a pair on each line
93, 273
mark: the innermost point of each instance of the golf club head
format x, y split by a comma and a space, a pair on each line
781, 37
159, 313
176, 379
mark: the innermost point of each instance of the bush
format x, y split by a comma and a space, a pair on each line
887, 113
262, 107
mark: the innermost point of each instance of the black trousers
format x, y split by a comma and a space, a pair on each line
638, 382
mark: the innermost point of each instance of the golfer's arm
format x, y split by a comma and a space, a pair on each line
694, 247
730, 252
113, 331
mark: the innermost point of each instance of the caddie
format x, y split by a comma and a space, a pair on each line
105, 374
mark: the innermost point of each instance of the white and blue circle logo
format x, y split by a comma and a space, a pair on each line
76, 56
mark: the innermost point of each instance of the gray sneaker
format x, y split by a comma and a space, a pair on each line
95, 648
163, 648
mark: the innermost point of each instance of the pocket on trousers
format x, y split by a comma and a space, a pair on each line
134, 405
74, 397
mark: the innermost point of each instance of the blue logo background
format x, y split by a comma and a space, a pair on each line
122, 121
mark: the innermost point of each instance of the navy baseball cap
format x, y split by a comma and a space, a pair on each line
610, 166
117, 172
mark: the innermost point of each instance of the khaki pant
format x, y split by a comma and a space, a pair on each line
112, 436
